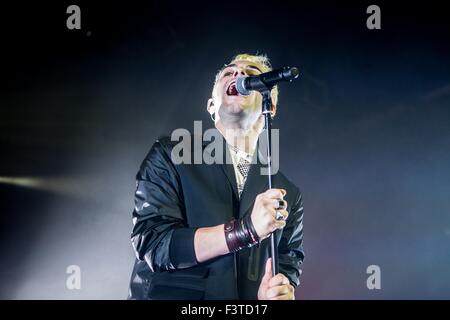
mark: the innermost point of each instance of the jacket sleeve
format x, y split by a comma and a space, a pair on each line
290, 249
160, 234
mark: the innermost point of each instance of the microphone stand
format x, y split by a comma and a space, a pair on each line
264, 84
267, 112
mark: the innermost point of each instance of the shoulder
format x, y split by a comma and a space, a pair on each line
159, 152
184, 138
165, 141
163, 145
158, 161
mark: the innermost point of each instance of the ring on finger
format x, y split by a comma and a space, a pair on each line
279, 215
280, 204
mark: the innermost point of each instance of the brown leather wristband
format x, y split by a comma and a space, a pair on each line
238, 234
231, 237
251, 228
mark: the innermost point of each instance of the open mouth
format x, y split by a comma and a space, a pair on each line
231, 91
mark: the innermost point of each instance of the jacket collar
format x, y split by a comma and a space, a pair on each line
256, 182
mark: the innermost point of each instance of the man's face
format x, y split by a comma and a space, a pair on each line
227, 102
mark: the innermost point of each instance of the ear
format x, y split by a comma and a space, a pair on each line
210, 106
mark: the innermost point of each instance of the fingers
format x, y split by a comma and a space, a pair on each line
280, 288
271, 223
275, 204
275, 193
274, 292
284, 292
275, 288
278, 280
290, 296
278, 225
281, 215
279, 204
264, 214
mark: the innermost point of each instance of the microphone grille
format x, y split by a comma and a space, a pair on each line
240, 87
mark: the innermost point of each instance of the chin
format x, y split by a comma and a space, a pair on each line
233, 109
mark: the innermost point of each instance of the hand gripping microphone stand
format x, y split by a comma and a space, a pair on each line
264, 84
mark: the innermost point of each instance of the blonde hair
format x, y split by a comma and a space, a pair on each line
263, 62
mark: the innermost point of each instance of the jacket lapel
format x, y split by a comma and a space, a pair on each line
255, 184
227, 166
228, 169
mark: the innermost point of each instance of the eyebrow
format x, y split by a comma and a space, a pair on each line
247, 67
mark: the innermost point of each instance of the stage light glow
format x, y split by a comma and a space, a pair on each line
68, 186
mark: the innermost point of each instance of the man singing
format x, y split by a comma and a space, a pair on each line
201, 230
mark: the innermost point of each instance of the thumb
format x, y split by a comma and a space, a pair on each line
268, 272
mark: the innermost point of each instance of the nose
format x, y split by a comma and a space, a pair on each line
238, 72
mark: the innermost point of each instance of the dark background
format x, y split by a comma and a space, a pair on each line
365, 133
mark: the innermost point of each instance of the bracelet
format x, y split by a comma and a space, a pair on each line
230, 236
240, 234
251, 228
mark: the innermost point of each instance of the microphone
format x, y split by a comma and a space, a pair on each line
265, 81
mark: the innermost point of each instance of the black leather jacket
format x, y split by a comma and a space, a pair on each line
172, 201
